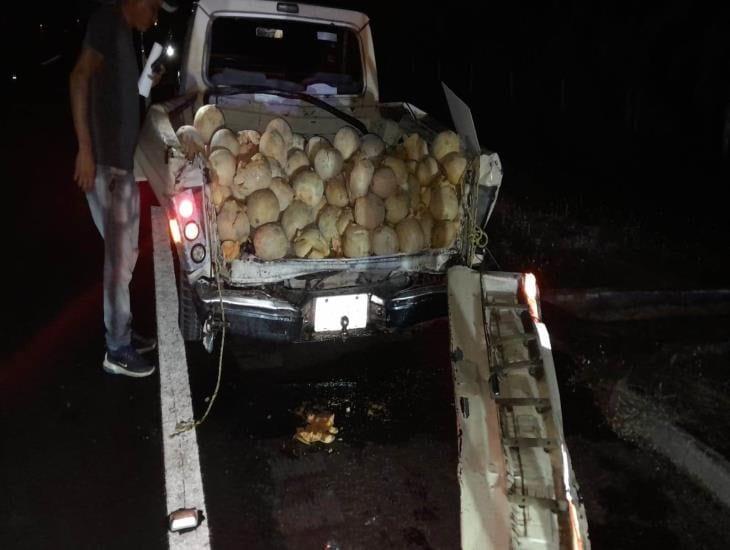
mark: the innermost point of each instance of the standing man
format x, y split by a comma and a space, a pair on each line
106, 115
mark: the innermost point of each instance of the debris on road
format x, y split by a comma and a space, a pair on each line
320, 428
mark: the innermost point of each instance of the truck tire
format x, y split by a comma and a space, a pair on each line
190, 325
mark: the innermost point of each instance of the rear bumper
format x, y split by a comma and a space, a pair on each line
257, 315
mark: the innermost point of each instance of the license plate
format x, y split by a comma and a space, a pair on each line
330, 310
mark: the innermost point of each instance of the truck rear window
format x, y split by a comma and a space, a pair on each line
289, 55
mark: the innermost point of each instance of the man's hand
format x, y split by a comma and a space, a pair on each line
85, 170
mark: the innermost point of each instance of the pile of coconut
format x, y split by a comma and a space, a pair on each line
312, 198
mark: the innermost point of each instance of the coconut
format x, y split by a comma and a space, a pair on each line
314, 145
445, 143
396, 207
223, 166
398, 167
347, 141
385, 241
327, 222
346, 218
218, 194
232, 222
360, 178
336, 191
273, 146
426, 170
308, 187
416, 147
454, 165
191, 141
231, 250
226, 139
369, 211
385, 182
297, 216
277, 171
253, 176
444, 204
317, 208
411, 166
207, 120
410, 236
248, 141
356, 241
311, 244
298, 142
282, 127
425, 218
328, 163
262, 207
444, 234
296, 160
270, 242
283, 191
372, 147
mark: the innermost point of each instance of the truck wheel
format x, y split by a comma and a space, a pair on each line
190, 325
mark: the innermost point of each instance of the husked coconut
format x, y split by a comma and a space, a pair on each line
385, 241
328, 163
396, 207
327, 222
385, 182
231, 250
191, 141
317, 208
444, 234
219, 194
440, 181
223, 166
347, 141
445, 143
444, 203
454, 165
308, 187
426, 170
398, 167
253, 176
346, 218
360, 179
411, 166
311, 244
248, 141
207, 120
270, 242
416, 147
369, 211
425, 218
336, 191
399, 152
296, 217
282, 127
356, 241
272, 145
262, 207
372, 147
223, 137
283, 191
426, 196
232, 222
277, 171
313, 146
298, 142
296, 160
410, 236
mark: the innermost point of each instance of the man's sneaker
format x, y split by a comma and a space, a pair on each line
128, 362
143, 344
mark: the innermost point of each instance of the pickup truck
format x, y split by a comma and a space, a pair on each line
314, 66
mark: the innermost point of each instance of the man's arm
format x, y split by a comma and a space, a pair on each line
88, 63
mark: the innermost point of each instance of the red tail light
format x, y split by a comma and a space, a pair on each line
185, 208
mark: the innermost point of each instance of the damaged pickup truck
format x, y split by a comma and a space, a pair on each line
402, 251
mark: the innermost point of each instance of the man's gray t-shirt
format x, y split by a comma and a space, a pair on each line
114, 106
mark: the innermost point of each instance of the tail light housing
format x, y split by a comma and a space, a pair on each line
187, 227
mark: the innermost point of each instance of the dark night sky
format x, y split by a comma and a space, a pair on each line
619, 90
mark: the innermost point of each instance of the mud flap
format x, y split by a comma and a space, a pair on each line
517, 485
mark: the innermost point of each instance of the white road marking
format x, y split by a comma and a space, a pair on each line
183, 480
